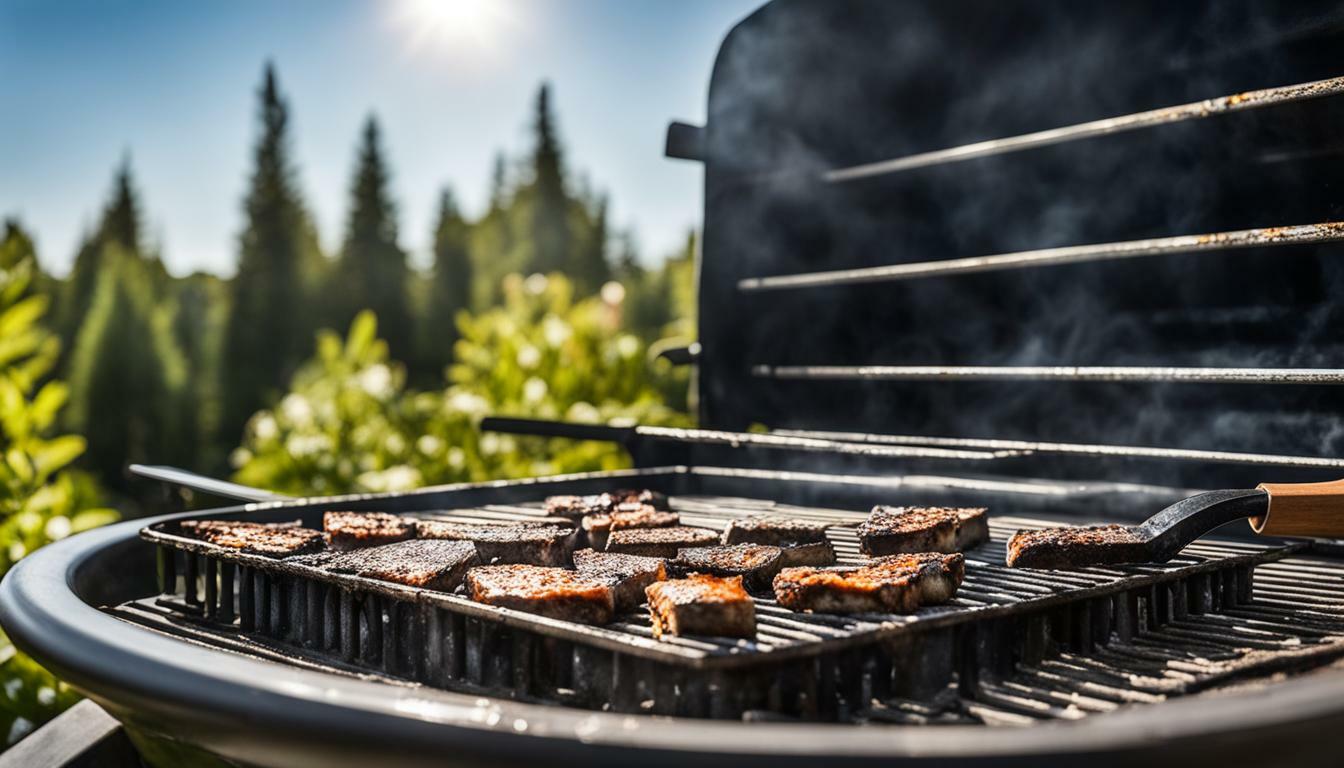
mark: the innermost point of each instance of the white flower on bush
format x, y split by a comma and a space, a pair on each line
583, 411
296, 409
299, 445
613, 292
429, 445
376, 380
57, 527
396, 478
394, 443
627, 345
466, 402
535, 283
555, 331
534, 390
529, 357
457, 458
264, 428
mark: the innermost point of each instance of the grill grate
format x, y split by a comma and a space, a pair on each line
812, 666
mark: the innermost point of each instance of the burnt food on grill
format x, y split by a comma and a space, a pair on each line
906, 530
422, 563
896, 584
757, 564
630, 515
576, 507
536, 543
629, 574
701, 604
269, 539
659, 542
352, 530
553, 592
1068, 548
802, 542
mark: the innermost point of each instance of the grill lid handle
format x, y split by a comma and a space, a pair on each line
210, 485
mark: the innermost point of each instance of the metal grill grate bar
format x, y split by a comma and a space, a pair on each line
1047, 257
1092, 374
1221, 105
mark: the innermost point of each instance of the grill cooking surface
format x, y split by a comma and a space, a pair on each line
990, 589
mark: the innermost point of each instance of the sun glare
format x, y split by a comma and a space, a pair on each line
449, 26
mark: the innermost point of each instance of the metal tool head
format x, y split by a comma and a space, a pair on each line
1172, 529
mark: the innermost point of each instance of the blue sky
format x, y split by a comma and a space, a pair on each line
451, 82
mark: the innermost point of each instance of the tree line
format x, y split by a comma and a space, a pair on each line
168, 369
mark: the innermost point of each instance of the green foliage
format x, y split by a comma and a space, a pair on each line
41, 498
127, 374
268, 331
372, 271
350, 424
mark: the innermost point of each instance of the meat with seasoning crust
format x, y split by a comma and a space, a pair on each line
352, 530
631, 515
757, 564
269, 539
553, 592
535, 543
904, 530
702, 605
659, 542
895, 584
422, 563
629, 574
802, 542
1068, 548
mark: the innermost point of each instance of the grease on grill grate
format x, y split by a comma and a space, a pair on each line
1015, 646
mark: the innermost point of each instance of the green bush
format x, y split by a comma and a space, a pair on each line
350, 424
41, 499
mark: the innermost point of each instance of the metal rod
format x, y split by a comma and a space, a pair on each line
993, 444
1109, 373
1221, 105
1299, 234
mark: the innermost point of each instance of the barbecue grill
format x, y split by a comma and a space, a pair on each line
1069, 261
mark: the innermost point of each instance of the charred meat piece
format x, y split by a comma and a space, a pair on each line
1068, 548
903, 530
775, 530
576, 507
269, 539
972, 527
518, 542
757, 564
702, 605
939, 575
897, 584
631, 515
352, 530
629, 574
552, 592
803, 542
421, 563
817, 553
659, 542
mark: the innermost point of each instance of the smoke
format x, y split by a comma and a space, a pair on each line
805, 87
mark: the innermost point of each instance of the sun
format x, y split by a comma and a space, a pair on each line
450, 26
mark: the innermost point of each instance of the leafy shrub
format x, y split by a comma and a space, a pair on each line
350, 424
41, 499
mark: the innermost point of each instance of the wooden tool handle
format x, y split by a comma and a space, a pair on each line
1302, 509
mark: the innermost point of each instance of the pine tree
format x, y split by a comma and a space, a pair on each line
549, 230
372, 271
126, 373
591, 268
267, 330
119, 226
494, 251
449, 287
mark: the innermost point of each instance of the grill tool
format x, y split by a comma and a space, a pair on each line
1274, 509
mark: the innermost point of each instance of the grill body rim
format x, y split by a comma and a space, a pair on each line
267, 714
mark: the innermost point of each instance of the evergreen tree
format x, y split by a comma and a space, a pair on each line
549, 227
591, 268
493, 247
372, 272
120, 227
126, 372
449, 287
267, 330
